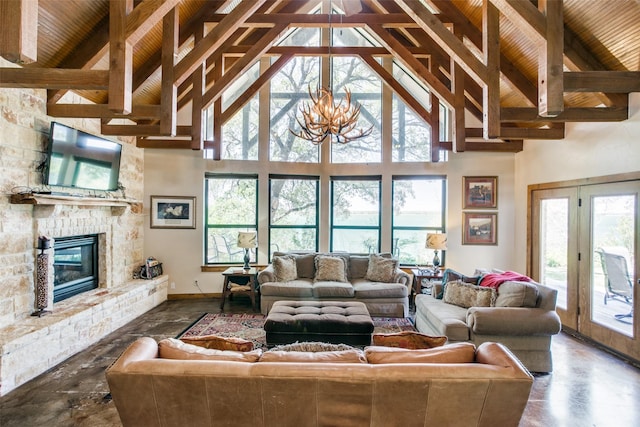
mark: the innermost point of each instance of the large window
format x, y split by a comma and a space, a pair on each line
418, 209
355, 214
231, 206
293, 216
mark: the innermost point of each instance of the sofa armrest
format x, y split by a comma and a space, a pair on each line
266, 275
402, 277
512, 321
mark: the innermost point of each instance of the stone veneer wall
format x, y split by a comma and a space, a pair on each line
30, 345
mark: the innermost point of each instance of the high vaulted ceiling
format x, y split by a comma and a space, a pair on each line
522, 68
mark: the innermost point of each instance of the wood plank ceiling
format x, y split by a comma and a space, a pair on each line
522, 68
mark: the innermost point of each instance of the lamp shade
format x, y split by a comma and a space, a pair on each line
247, 239
437, 241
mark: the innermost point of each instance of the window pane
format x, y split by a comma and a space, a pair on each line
356, 216
554, 246
411, 135
293, 239
294, 214
289, 90
231, 207
366, 89
240, 133
293, 201
359, 241
418, 209
356, 203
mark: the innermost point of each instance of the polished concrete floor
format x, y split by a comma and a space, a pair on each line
588, 387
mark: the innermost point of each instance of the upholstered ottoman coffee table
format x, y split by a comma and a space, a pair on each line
336, 322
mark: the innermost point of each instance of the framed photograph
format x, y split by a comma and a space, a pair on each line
479, 228
173, 212
480, 192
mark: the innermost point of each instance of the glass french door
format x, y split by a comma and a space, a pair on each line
555, 248
584, 243
609, 265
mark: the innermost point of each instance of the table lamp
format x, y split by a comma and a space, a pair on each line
247, 240
437, 242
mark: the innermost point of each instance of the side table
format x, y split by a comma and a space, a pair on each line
230, 288
420, 275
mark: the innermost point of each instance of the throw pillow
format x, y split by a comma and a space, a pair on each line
517, 294
284, 268
171, 348
381, 269
462, 352
449, 275
465, 295
219, 343
408, 339
330, 268
344, 356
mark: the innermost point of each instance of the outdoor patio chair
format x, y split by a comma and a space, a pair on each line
618, 283
223, 249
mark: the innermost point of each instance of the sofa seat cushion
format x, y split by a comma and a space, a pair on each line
300, 288
328, 289
366, 289
447, 319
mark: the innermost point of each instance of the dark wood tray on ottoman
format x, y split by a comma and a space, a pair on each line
336, 322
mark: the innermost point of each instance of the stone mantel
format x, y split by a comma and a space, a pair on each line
57, 199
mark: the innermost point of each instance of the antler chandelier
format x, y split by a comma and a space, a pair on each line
324, 118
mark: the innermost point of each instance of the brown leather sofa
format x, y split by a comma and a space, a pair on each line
491, 390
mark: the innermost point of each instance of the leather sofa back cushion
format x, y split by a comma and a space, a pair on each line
285, 268
465, 295
462, 352
344, 356
408, 339
171, 348
517, 294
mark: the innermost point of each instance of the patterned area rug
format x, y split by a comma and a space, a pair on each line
250, 326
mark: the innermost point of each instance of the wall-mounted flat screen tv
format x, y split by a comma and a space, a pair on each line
80, 160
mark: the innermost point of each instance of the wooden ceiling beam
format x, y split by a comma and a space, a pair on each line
19, 35
496, 147
54, 78
404, 55
602, 81
399, 90
491, 57
246, 96
102, 111
449, 42
513, 76
240, 50
214, 39
556, 131
320, 20
550, 80
242, 65
140, 130
96, 46
168, 89
120, 57
595, 114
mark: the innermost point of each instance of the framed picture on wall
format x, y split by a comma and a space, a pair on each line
479, 228
173, 212
480, 192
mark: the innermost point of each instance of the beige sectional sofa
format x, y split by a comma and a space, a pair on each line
451, 385
385, 298
522, 317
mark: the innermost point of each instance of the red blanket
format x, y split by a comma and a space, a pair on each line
493, 280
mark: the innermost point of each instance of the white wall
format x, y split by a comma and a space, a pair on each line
588, 150
181, 173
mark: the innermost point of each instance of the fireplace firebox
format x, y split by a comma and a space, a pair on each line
75, 266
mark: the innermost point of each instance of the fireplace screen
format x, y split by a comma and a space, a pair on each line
75, 266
